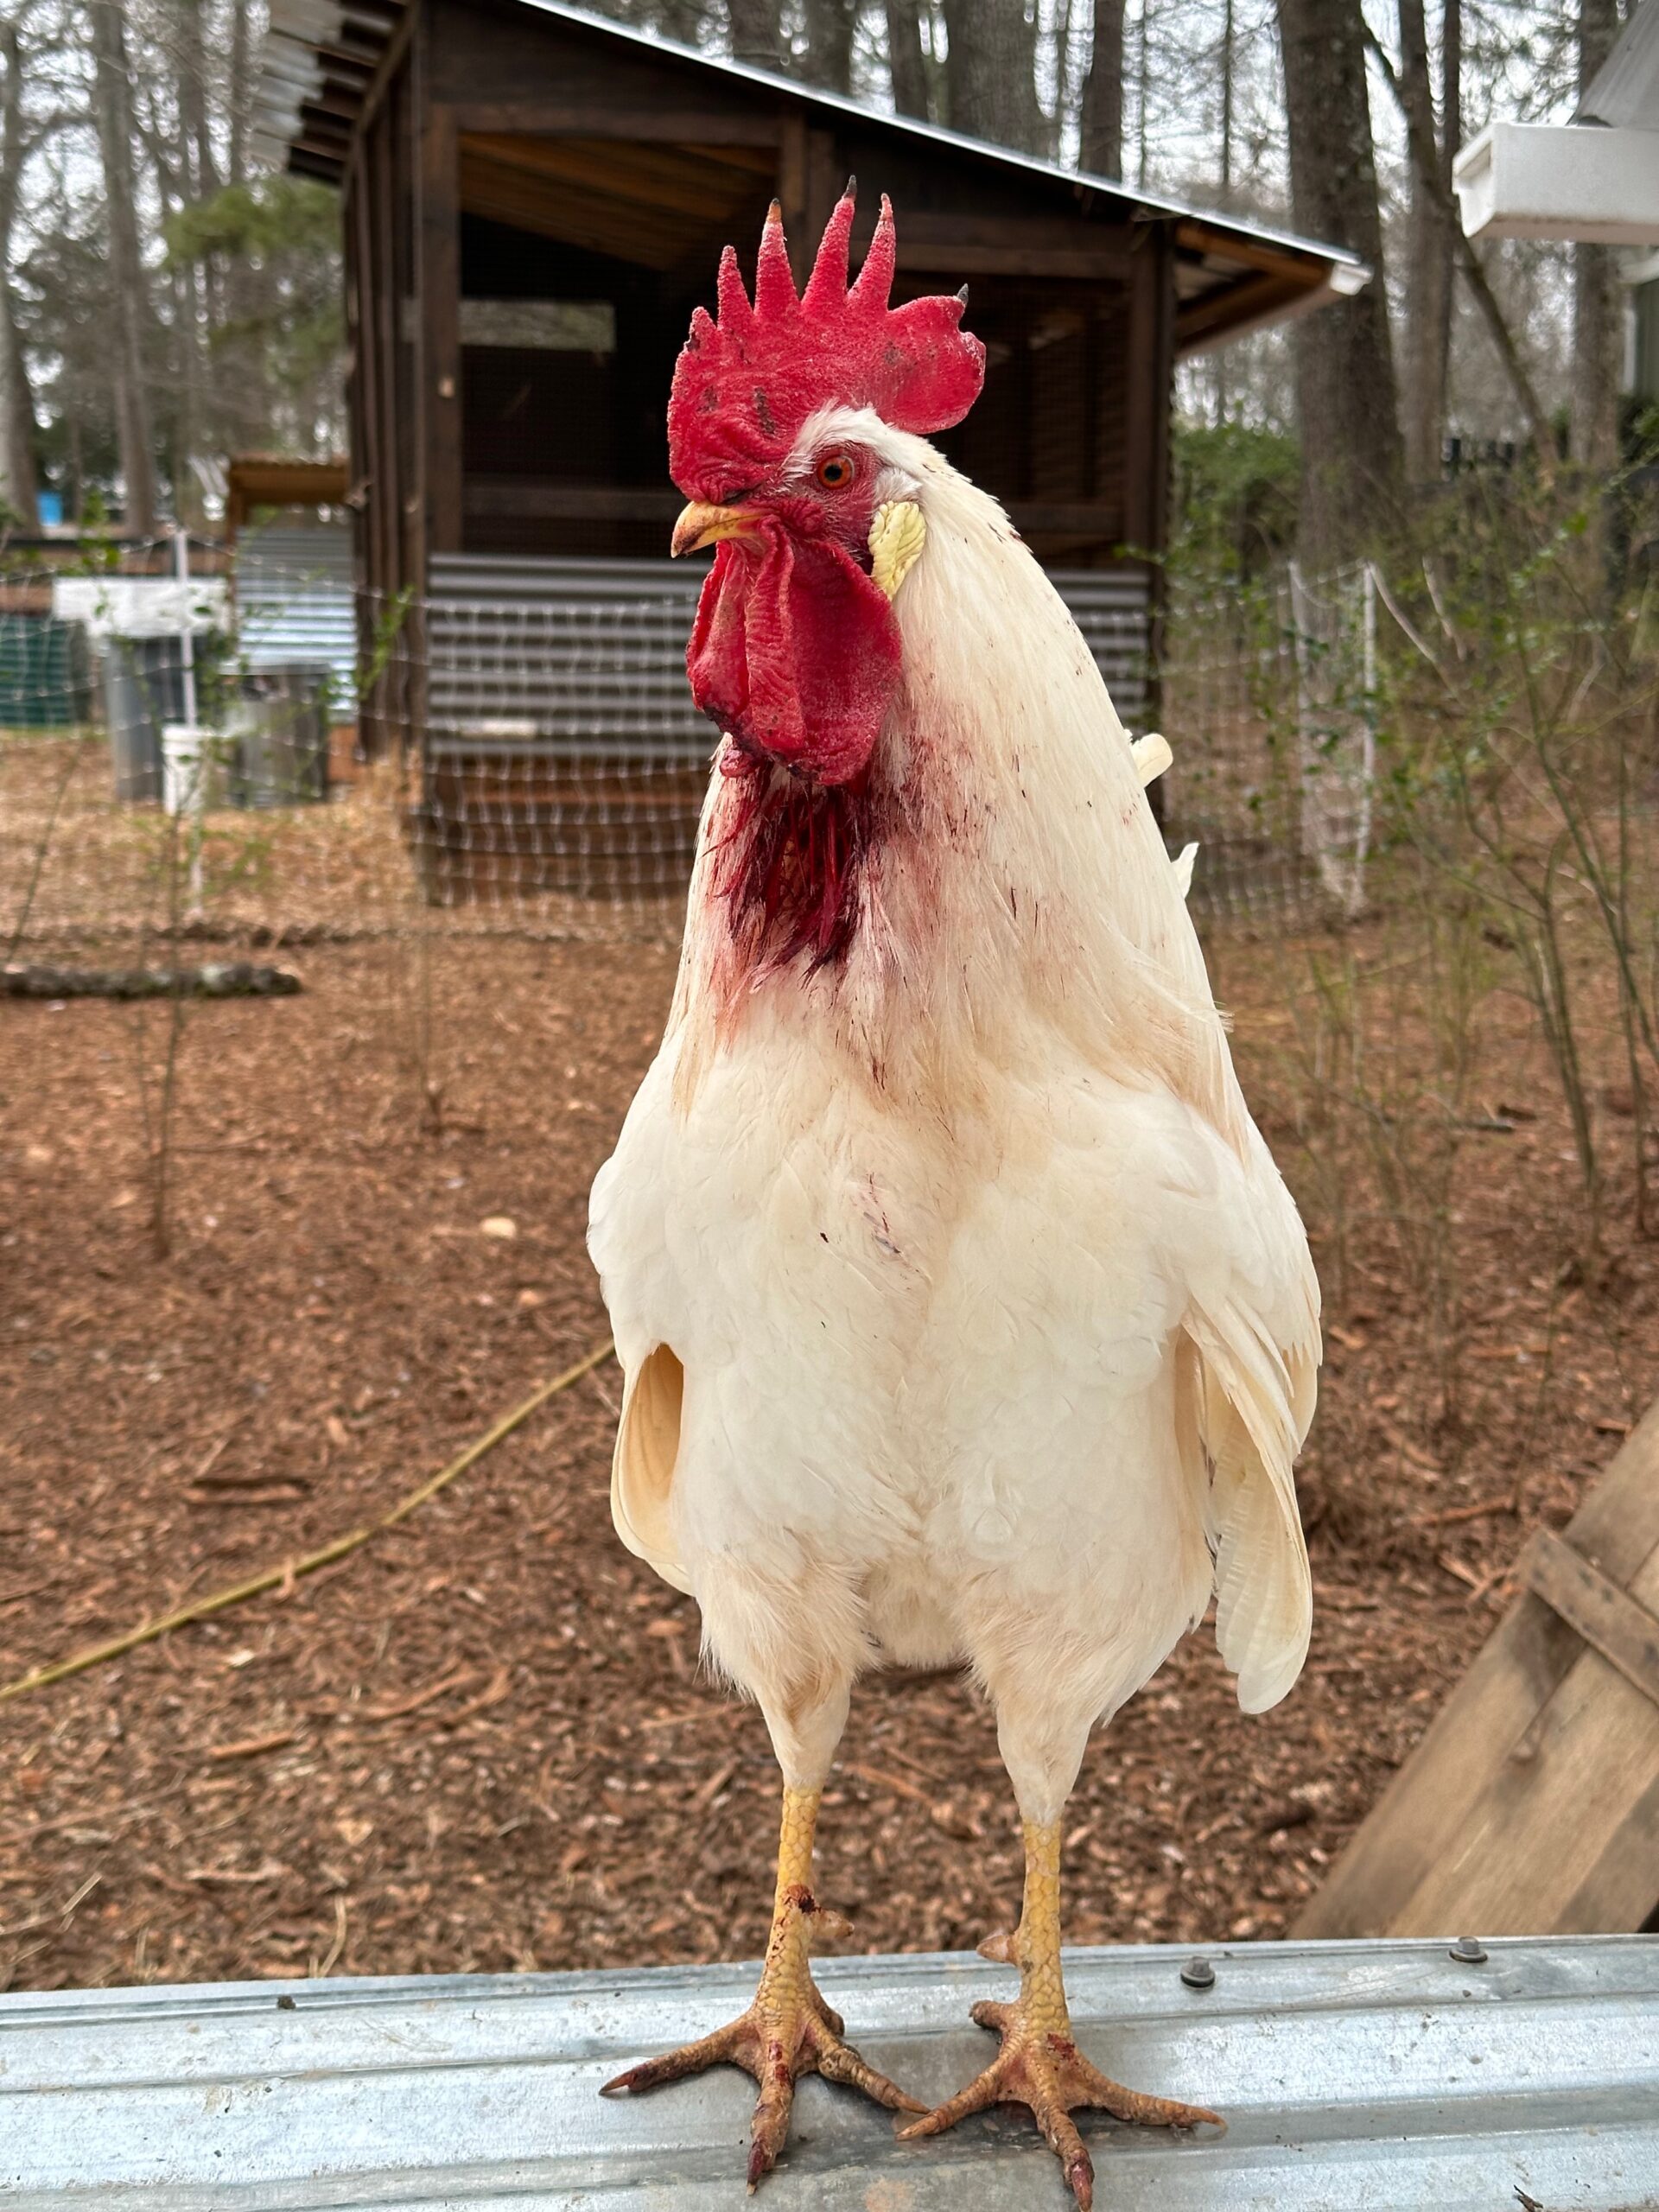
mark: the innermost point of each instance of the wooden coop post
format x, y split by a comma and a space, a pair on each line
440, 252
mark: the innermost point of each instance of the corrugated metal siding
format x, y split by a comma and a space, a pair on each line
295, 605
562, 656
570, 655
1355, 2077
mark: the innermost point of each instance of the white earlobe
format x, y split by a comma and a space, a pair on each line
898, 534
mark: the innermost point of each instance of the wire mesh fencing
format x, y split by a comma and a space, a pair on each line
1269, 704
518, 750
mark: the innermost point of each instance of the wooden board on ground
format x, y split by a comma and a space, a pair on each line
1531, 1807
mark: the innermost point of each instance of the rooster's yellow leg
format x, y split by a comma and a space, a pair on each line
788, 2030
1040, 2064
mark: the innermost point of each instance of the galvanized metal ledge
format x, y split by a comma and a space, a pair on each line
1354, 2076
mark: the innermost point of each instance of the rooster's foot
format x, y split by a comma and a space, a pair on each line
787, 2031
1042, 2069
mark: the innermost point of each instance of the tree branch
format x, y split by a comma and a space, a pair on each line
1426, 167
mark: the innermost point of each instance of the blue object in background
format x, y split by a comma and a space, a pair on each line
49, 506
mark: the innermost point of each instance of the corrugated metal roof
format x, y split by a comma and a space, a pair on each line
320, 56
294, 603
1625, 89
1355, 2077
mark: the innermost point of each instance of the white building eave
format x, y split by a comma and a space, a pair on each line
1560, 181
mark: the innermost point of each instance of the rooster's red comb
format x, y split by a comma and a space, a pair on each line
744, 383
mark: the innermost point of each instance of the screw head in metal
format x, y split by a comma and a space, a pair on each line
1198, 1974
1469, 1951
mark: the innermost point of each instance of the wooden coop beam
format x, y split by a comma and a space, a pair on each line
1243, 300
273, 480
541, 118
438, 246
1625, 1633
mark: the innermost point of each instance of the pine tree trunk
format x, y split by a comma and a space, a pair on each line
1597, 304
755, 34
126, 267
1228, 64
17, 483
680, 19
906, 59
1346, 399
990, 73
236, 166
1100, 125
200, 165
1428, 265
11, 490
828, 60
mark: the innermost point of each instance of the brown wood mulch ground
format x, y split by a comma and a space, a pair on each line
484, 1740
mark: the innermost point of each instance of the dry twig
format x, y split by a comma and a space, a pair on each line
282, 1577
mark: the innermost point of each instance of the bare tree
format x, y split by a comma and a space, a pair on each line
131, 303
1596, 317
1100, 122
241, 90
905, 57
201, 166
990, 73
756, 33
1431, 177
1345, 367
1226, 60
21, 133
1428, 321
828, 56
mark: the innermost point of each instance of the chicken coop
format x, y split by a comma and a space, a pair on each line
533, 200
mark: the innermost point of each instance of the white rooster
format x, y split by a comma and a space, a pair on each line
963, 1313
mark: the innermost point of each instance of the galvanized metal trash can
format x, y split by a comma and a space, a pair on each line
1355, 2077
143, 683
280, 723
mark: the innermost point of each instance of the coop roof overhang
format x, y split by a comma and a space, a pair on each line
322, 58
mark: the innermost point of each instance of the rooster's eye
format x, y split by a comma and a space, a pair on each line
835, 472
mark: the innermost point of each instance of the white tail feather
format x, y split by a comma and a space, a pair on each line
1250, 1419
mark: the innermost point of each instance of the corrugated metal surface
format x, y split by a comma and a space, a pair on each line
562, 656
568, 654
293, 604
1363, 2077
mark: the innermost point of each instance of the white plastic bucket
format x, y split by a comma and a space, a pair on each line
192, 768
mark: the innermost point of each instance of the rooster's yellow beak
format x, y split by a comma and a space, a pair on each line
701, 524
